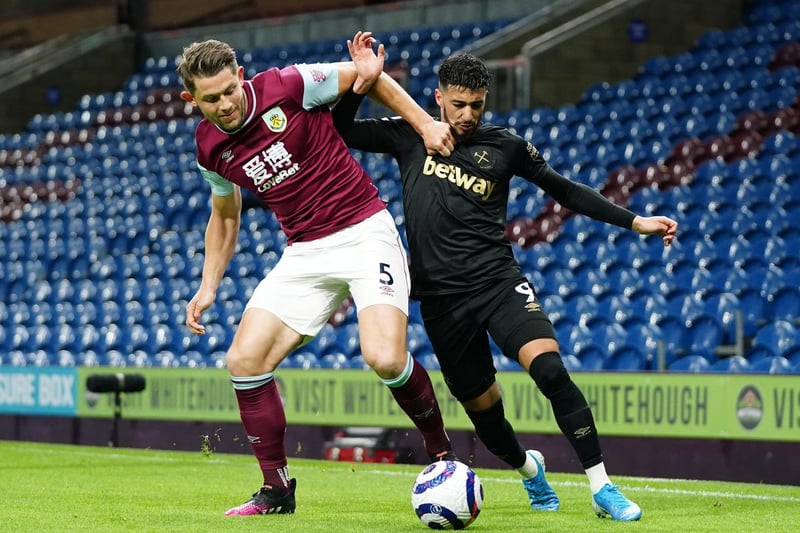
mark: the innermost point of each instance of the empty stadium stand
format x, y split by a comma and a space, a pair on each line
101, 218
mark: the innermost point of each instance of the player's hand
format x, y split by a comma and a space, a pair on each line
658, 225
194, 310
369, 65
438, 138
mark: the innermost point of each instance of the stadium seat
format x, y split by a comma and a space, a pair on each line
627, 358
753, 309
324, 340
772, 365
756, 353
704, 334
592, 358
690, 363
504, 364
302, 359
784, 304
427, 360
347, 339
334, 360
732, 364
673, 337
779, 336
418, 341
572, 363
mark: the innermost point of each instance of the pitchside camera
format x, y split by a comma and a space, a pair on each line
117, 384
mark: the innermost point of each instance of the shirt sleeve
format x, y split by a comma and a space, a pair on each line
344, 112
219, 185
575, 196
320, 84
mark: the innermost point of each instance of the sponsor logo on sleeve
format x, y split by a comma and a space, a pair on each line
534, 153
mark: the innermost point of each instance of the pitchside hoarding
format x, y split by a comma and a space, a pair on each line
714, 406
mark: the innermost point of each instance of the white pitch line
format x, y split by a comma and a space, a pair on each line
657, 490
509, 479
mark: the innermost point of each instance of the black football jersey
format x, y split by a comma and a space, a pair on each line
455, 207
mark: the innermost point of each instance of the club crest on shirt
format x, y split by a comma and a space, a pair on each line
275, 119
482, 159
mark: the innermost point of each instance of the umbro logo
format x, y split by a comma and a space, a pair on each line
424, 414
227, 156
583, 432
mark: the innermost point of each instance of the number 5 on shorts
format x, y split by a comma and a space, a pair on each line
386, 276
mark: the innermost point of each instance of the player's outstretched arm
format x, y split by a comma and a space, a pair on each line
656, 225
370, 77
222, 233
368, 63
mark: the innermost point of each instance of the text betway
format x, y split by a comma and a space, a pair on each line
460, 177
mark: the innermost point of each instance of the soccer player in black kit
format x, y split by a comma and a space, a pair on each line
464, 272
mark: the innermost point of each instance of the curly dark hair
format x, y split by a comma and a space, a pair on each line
205, 59
464, 70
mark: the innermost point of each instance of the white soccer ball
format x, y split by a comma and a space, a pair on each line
447, 495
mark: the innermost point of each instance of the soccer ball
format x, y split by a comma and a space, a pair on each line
447, 495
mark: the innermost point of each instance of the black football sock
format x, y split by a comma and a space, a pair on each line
497, 434
572, 412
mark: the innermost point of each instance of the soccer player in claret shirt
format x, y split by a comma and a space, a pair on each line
274, 135
464, 272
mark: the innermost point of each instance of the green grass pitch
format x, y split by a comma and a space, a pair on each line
55, 488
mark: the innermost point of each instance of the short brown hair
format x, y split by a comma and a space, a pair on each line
205, 59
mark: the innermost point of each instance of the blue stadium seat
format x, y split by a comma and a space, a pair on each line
324, 340
704, 334
785, 303
347, 339
627, 358
732, 364
572, 363
165, 359
334, 360
772, 365
216, 338
690, 363
779, 336
65, 358
418, 341
756, 353
302, 359
592, 358
725, 306
673, 337
504, 364
428, 361
753, 309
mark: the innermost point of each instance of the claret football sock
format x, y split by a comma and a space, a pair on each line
413, 392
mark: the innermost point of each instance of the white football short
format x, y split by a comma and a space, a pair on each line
366, 260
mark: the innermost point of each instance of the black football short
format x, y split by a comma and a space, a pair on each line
459, 326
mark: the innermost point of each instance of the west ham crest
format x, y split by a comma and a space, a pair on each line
482, 159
